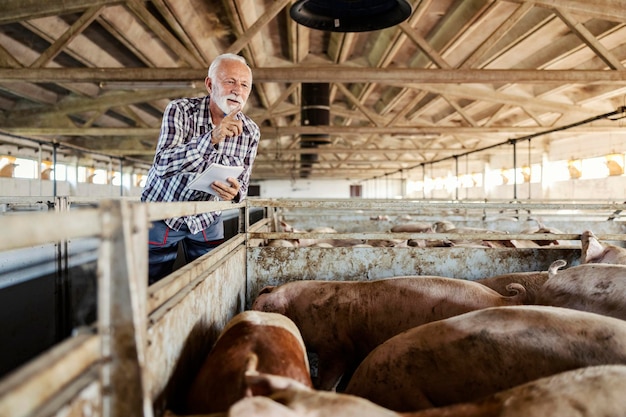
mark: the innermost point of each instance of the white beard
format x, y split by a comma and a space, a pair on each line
222, 101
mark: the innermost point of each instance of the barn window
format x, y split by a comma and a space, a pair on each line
25, 168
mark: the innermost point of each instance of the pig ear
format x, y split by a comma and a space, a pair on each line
286, 226
268, 289
591, 246
268, 384
555, 266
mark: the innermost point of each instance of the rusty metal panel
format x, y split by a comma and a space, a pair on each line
277, 265
163, 290
183, 329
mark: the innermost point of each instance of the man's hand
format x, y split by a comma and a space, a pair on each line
224, 191
228, 127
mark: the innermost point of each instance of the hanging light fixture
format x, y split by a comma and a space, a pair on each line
615, 163
350, 15
575, 168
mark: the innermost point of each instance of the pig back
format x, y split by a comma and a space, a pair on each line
342, 321
251, 341
364, 314
393, 305
595, 287
585, 392
467, 357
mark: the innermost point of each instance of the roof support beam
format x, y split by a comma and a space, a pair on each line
583, 33
17, 10
612, 10
274, 132
314, 74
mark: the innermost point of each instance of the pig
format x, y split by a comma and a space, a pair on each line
597, 288
446, 226
326, 242
585, 392
542, 228
592, 391
531, 281
304, 401
516, 243
381, 243
380, 217
470, 356
414, 227
342, 321
282, 243
417, 227
593, 251
251, 341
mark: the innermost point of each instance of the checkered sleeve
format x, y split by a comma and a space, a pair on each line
177, 151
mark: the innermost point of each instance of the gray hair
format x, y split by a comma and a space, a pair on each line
225, 57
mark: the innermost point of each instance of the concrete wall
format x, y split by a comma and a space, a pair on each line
33, 188
304, 188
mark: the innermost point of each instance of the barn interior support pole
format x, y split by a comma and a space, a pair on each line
432, 175
530, 170
456, 168
39, 162
121, 177
315, 111
387, 186
54, 169
424, 181
62, 283
514, 143
467, 172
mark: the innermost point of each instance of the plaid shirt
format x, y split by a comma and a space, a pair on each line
185, 149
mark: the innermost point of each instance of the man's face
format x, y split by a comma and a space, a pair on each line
231, 87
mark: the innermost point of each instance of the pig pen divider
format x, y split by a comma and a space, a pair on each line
134, 360
122, 364
371, 220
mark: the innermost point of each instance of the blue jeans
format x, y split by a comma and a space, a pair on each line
163, 246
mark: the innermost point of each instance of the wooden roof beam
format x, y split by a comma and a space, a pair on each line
18, 10
588, 38
318, 74
271, 133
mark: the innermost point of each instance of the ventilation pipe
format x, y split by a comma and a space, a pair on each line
315, 111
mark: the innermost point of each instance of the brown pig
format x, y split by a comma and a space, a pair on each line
304, 401
251, 341
585, 392
417, 227
594, 251
470, 356
597, 288
531, 281
342, 321
592, 391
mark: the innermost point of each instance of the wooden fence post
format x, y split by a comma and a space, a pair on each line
122, 317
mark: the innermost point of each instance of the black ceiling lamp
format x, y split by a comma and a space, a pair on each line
350, 15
